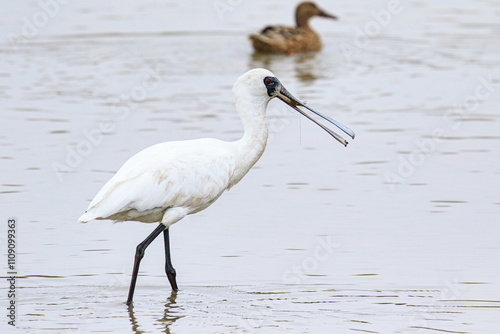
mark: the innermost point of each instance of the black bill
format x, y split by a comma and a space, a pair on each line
288, 98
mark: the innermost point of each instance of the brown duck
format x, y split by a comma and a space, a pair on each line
280, 39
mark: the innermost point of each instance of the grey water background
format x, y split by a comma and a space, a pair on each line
397, 233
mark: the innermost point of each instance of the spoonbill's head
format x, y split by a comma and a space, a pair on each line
261, 86
308, 9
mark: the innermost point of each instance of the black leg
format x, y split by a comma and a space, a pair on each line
139, 254
168, 263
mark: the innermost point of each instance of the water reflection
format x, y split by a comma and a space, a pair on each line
304, 64
170, 315
133, 320
264, 60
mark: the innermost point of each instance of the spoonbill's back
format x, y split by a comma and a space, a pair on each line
168, 181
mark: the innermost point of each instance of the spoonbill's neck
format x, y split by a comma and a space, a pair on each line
249, 149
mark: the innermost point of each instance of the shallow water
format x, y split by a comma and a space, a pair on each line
397, 233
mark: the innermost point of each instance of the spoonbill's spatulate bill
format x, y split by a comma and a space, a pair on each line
168, 181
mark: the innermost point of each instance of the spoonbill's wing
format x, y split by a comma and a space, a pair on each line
185, 174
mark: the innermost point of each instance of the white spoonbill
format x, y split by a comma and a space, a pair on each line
168, 181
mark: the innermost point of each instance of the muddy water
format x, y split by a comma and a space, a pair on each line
398, 233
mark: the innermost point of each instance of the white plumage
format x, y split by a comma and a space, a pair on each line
186, 176
168, 181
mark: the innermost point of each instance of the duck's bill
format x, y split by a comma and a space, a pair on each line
288, 98
325, 14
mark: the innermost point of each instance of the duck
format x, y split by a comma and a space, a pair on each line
289, 40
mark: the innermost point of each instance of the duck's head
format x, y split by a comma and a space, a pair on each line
306, 10
259, 86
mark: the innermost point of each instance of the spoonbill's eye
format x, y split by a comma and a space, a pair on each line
270, 82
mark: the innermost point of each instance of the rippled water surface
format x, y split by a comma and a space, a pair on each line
397, 233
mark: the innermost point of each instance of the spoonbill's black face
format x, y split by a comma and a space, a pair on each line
276, 89
271, 84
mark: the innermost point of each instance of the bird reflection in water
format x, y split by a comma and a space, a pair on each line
307, 65
170, 316
171, 312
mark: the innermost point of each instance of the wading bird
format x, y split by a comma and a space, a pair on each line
165, 182
280, 39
